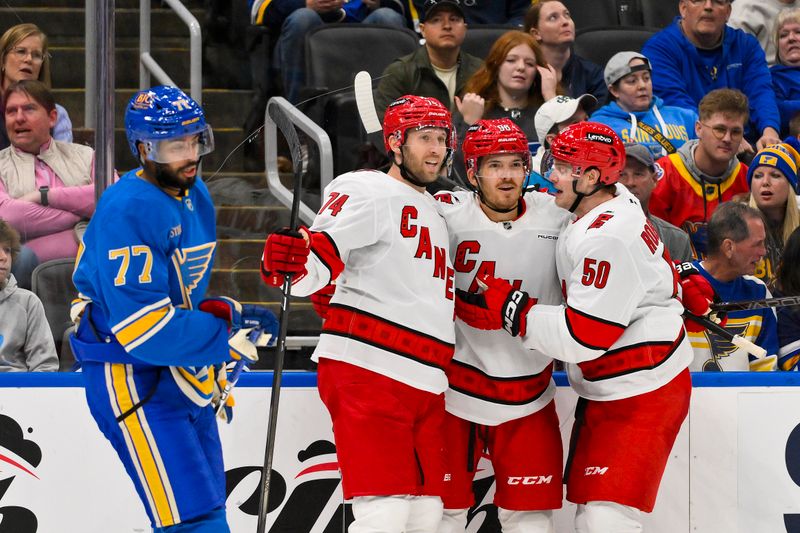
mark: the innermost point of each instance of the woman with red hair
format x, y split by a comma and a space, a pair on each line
514, 81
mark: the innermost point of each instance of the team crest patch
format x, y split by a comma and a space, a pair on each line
144, 100
191, 265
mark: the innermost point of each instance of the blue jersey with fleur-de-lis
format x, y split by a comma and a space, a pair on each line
145, 262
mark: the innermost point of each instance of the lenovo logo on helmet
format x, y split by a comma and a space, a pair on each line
599, 138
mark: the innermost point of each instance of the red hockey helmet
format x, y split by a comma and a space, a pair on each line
413, 112
500, 136
591, 144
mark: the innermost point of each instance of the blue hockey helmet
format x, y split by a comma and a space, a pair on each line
164, 113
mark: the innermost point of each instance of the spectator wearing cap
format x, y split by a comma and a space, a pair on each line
439, 69
551, 119
786, 73
640, 177
635, 114
736, 238
26, 343
772, 178
295, 18
508, 12
699, 52
757, 17
550, 23
704, 172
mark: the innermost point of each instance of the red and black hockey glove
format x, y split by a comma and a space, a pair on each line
321, 300
285, 253
697, 295
499, 306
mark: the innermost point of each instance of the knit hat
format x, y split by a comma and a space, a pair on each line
780, 156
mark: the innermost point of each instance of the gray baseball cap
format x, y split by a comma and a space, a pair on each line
640, 153
558, 110
618, 67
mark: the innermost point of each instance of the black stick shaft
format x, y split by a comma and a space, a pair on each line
269, 452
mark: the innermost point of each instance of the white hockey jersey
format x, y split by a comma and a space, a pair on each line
392, 312
620, 332
493, 377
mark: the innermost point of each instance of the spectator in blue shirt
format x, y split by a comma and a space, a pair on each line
786, 72
698, 52
635, 114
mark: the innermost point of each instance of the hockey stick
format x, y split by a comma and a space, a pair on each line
753, 349
365, 102
299, 164
746, 305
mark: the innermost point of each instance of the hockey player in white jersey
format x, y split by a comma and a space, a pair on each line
620, 333
388, 336
500, 395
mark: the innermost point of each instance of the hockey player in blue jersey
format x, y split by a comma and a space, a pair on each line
152, 350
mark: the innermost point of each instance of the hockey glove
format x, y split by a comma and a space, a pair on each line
500, 306
230, 311
697, 295
263, 324
285, 253
321, 300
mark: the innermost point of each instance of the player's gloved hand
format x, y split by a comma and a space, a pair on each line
230, 311
262, 323
321, 300
285, 253
697, 295
499, 306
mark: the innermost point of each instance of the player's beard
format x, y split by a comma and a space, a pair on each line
168, 178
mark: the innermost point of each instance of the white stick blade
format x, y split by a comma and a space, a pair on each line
366, 103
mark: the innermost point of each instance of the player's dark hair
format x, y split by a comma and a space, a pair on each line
729, 221
788, 277
9, 236
35, 89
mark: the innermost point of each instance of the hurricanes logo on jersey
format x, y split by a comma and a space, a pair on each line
191, 264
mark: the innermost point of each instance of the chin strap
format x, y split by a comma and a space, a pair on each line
579, 196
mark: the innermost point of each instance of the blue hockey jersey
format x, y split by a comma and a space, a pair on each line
145, 263
759, 326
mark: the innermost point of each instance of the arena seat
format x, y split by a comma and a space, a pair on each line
334, 54
599, 44
604, 13
480, 38
658, 13
51, 281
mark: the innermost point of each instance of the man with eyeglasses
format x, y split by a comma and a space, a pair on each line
440, 69
699, 53
704, 172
